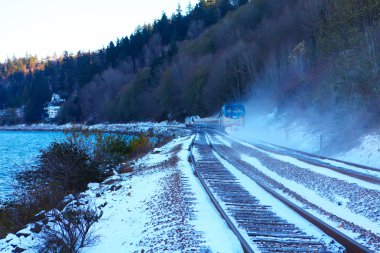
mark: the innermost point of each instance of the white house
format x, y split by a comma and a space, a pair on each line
52, 111
54, 106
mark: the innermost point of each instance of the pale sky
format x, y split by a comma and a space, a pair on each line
45, 27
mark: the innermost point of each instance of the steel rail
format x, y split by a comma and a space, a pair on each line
350, 244
321, 157
245, 245
345, 171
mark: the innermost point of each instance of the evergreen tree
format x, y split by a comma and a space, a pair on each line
164, 29
224, 7
111, 54
3, 97
39, 95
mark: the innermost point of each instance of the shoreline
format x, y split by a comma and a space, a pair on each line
162, 128
157, 131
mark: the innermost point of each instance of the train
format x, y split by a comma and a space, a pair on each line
231, 118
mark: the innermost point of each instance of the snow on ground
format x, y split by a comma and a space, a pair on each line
309, 137
375, 173
298, 134
367, 153
224, 141
159, 207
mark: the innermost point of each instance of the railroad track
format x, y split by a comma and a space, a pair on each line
256, 225
316, 160
301, 153
308, 158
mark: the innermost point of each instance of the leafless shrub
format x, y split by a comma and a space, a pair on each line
70, 231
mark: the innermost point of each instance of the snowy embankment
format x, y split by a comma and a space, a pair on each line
160, 206
136, 127
314, 137
366, 153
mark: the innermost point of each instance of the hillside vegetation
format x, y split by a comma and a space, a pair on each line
91, 82
320, 58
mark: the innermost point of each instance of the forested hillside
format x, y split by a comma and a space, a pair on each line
316, 57
91, 82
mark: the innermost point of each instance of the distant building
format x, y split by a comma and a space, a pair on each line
52, 111
11, 115
20, 112
53, 107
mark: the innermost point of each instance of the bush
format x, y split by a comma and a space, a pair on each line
139, 146
62, 168
66, 168
16, 213
69, 231
6, 221
111, 150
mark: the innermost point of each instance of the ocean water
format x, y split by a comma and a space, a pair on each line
19, 150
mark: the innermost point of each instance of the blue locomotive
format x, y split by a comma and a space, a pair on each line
232, 116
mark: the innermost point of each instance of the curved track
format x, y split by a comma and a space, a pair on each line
308, 158
317, 161
255, 224
287, 150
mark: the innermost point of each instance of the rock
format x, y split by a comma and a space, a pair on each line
110, 173
45, 221
102, 205
11, 237
93, 186
115, 188
36, 228
98, 195
81, 202
82, 195
111, 180
40, 216
68, 199
18, 250
156, 151
125, 170
24, 234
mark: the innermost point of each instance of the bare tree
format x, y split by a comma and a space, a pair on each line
70, 231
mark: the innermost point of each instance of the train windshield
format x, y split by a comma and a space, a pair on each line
234, 110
